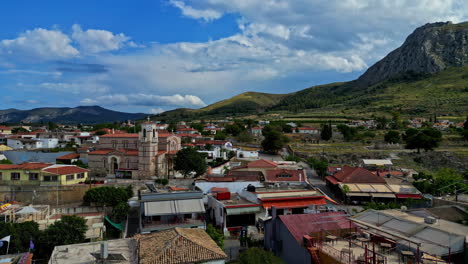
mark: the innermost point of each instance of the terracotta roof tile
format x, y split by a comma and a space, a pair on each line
262, 164
62, 170
25, 166
123, 135
69, 156
279, 175
357, 175
178, 245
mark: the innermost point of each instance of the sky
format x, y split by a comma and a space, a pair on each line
154, 55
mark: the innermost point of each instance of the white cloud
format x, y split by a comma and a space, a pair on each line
96, 40
82, 88
141, 99
156, 111
38, 44
205, 14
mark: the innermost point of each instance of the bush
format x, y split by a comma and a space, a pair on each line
107, 196
162, 181
216, 235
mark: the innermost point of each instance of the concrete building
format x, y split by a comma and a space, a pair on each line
165, 210
44, 174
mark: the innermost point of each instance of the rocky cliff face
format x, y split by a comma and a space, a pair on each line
429, 49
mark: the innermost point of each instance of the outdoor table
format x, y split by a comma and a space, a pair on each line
331, 238
363, 240
345, 251
385, 247
406, 254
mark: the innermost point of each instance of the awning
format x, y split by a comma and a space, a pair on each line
190, 206
296, 203
174, 207
383, 195
242, 210
358, 194
408, 195
331, 180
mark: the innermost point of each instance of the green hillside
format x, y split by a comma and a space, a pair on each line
445, 92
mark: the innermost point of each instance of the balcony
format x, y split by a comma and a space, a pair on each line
150, 224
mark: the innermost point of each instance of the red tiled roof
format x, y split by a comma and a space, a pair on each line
245, 175
274, 175
123, 135
189, 135
262, 164
163, 135
212, 142
408, 195
100, 152
331, 180
188, 145
62, 170
299, 225
25, 166
357, 175
5, 128
293, 202
186, 129
69, 156
306, 128
160, 152
177, 189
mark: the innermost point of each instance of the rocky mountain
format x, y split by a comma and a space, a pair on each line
429, 49
427, 74
67, 115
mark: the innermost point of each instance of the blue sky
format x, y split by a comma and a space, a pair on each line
154, 55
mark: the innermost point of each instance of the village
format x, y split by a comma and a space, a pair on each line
223, 187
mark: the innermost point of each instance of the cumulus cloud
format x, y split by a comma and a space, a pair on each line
39, 44
205, 14
97, 40
141, 99
156, 111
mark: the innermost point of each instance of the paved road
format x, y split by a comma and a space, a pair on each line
315, 180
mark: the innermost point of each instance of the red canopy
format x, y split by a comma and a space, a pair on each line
293, 203
408, 195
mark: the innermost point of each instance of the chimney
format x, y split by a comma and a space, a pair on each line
104, 250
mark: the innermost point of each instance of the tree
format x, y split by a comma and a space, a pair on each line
396, 120
392, 136
287, 128
220, 135
319, 165
244, 136
107, 195
17, 130
256, 255
120, 212
349, 133
465, 129
382, 122
327, 132
216, 235
198, 126
5, 161
52, 126
426, 139
70, 229
274, 139
441, 182
21, 234
188, 160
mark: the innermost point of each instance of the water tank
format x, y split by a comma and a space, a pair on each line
430, 220
250, 188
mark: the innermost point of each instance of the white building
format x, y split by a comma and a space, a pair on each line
247, 154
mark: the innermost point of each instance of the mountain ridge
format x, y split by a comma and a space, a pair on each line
426, 64
67, 115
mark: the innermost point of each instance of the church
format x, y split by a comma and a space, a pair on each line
136, 156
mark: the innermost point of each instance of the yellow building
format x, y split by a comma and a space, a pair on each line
5, 130
4, 148
44, 174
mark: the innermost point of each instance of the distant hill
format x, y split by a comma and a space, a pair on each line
67, 115
427, 74
248, 102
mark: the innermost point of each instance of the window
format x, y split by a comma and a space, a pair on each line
70, 177
15, 176
1, 175
80, 175
125, 144
33, 176
284, 175
114, 144
51, 178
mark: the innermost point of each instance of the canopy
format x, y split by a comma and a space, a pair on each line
27, 210
174, 207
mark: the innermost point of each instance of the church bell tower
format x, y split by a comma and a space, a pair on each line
147, 150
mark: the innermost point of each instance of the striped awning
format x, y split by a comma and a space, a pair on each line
174, 207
